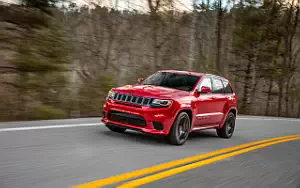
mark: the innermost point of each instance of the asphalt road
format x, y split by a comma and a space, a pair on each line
63, 153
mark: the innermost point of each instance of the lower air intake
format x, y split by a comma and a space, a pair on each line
126, 118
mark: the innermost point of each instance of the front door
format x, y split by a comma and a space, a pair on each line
204, 109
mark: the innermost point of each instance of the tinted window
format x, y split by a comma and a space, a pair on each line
227, 88
206, 82
172, 80
217, 86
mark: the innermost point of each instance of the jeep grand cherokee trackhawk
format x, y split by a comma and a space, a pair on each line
173, 104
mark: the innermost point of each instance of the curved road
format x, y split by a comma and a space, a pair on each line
65, 153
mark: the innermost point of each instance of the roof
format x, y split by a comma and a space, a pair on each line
194, 73
217, 76
184, 72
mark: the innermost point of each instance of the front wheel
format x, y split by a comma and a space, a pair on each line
180, 129
228, 128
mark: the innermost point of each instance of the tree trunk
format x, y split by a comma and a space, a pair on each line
107, 56
23, 94
155, 49
254, 84
219, 38
269, 97
292, 104
192, 41
154, 21
298, 114
281, 85
287, 97
246, 97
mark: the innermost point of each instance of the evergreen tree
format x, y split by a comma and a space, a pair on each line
41, 57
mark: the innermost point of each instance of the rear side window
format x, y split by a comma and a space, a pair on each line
227, 87
217, 86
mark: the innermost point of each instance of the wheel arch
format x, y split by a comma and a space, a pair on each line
188, 111
231, 109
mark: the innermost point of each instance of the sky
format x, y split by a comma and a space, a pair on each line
140, 5
9, 1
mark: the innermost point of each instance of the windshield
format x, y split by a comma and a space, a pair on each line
183, 82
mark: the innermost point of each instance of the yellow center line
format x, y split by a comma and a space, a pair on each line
164, 166
168, 173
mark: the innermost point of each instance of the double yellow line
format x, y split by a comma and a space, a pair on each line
182, 165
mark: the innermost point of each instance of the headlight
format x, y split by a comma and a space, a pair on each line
161, 103
111, 95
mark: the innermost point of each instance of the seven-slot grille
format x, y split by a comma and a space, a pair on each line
132, 99
126, 118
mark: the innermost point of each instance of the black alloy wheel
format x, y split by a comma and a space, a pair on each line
228, 128
180, 129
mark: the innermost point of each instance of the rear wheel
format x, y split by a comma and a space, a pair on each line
116, 129
228, 128
180, 129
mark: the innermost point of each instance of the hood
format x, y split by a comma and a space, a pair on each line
151, 91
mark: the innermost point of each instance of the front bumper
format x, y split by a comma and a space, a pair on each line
164, 116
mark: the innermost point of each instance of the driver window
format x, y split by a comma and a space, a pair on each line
206, 82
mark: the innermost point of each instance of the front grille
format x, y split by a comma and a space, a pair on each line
126, 118
132, 99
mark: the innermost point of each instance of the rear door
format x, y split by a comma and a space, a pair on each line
218, 101
229, 94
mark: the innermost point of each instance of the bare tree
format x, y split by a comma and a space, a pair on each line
219, 65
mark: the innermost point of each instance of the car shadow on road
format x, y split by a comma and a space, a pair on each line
136, 137
203, 134
142, 138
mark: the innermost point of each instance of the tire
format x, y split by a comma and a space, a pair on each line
228, 127
180, 129
116, 129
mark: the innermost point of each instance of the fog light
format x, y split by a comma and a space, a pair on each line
157, 125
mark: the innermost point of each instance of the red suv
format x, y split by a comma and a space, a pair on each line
173, 104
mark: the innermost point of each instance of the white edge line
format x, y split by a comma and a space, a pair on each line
267, 119
48, 127
96, 124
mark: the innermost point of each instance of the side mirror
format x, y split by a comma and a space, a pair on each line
140, 80
205, 89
